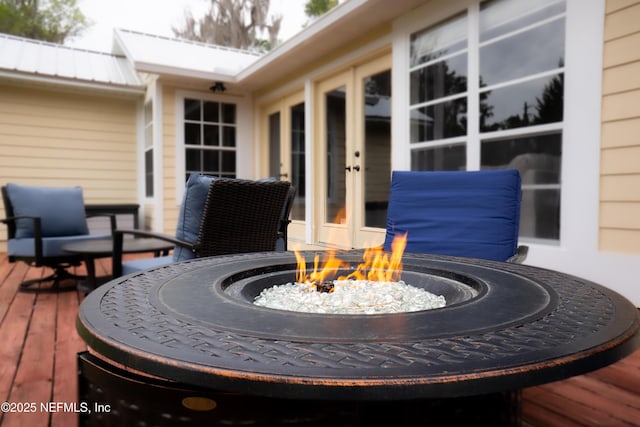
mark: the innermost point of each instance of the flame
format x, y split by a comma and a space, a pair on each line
376, 265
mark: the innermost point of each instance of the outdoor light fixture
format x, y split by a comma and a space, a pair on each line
218, 87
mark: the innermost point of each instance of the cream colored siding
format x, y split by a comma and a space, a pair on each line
620, 156
56, 138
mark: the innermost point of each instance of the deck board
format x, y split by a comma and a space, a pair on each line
39, 344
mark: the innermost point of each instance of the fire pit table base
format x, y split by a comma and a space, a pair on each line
115, 397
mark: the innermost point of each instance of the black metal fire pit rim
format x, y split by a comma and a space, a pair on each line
477, 288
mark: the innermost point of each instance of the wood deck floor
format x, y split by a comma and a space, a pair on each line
39, 343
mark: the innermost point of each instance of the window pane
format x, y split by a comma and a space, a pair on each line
274, 144
336, 124
504, 16
298, 170
432, 43
211, 135
530, 103
192, 109
438, 121
534, 51
211, 162
228, 164
441, 79
211, 112
191, 134
228, 113
449, 157
148, 173
377, 148
193, 161
537, 158
228, 136
540, 213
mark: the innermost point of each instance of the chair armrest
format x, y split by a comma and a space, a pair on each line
37, 234
520, 255
118, 241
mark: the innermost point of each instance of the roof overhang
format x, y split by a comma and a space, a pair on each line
182, 60
345, 23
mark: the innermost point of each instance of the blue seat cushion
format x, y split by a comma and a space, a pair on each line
61, 210
474, 214
193, 201
51, 246
145, 263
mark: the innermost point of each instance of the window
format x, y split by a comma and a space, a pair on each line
298, 169
148, 149
210, 138
497, 94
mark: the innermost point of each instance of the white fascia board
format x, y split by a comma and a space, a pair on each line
73, 84
223, 76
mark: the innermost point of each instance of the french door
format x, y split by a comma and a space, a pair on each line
353, 154
285, 125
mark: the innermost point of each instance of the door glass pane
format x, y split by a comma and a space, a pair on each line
335, 122
377, 148
298, 170
274, 145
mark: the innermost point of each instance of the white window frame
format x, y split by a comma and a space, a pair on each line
581, 125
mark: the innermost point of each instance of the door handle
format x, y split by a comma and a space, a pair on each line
356, 168
348, 168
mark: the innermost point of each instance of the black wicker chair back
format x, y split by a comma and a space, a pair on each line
242, 216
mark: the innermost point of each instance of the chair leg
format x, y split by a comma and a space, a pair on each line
59, 275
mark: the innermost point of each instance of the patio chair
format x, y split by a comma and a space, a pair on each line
464, 213
40, 221
218, 216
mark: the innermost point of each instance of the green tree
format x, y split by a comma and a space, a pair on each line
242, 24
316, 8
54, 21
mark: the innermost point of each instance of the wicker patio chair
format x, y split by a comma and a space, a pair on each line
218, 216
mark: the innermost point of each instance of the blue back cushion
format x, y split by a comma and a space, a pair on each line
193, 201
474, 214
61, 210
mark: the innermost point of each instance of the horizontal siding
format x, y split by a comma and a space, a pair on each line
615, 5
620, 240
171, 207
55, 138
620, 155
620, 133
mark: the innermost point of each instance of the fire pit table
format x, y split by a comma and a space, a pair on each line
184, 343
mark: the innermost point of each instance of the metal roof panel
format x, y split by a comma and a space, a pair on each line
52, 60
